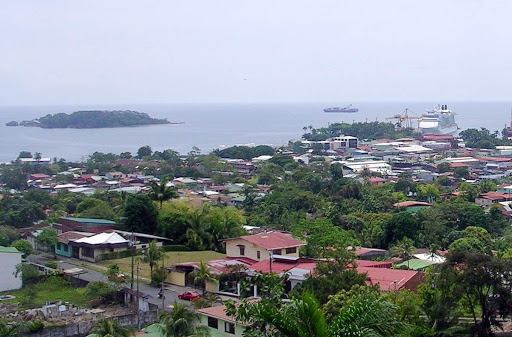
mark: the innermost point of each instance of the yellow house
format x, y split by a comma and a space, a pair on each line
262, 246
219, 323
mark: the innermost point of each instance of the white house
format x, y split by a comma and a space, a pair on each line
9, 258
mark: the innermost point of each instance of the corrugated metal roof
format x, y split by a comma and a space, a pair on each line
86, 220
9, 250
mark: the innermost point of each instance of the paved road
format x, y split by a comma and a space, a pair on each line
171, 291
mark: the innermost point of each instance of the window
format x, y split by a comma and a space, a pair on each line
65, 247
276, 252
88, 252
291, 250
242, 250
213, 322
258, 255
229, 327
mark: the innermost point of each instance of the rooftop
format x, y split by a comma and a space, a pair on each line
272, 240
9, 250
93, 221
103, 238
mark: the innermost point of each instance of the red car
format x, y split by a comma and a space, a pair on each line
189, 295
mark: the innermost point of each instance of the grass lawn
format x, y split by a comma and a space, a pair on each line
171, 258
50, 290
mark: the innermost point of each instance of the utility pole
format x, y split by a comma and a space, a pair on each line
163, 277
138, 302
133, 253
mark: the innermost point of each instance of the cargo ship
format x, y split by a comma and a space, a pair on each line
439, 121
349, 108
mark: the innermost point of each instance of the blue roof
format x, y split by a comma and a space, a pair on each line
94, 221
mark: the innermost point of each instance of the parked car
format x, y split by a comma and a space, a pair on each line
189, 295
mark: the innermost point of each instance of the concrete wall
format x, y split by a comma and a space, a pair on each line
212, 287
97, 252
176, 277
8, 262
60, 249
82, 329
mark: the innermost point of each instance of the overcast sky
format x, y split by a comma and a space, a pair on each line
88, 52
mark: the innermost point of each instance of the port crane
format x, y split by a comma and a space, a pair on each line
403, 119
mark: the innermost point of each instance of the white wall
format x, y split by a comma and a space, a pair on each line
8, 262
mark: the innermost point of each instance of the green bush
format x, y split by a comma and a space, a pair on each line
100, 291
35, 326
157, 276
51, 264
29, 273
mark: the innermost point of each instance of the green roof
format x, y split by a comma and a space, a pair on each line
86, 220
415, 264
9, 250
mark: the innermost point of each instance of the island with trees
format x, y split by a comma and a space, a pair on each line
94, 119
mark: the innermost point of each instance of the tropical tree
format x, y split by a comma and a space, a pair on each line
140, 214
48, 238
203, 275
111, 328
181, 322
363, 316
153, 255
403, 249
23, 246
161, 192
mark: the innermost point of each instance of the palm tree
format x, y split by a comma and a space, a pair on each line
366, 316
403, 249
180, 322
161, 192
153, 255
206, 301
111, 328
202, 275
197, 235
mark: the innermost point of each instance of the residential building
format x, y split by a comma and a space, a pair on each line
91, 248
263, 245
10, 257
219, 323
63, 247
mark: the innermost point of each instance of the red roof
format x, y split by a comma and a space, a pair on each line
72, 235
373, 264
387, 279
494, 159
495, 195
281, 267
217, 312
432, 136
411, 203
272, 240
363, 250
455, 165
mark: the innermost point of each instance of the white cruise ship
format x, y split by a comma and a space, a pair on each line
439, 121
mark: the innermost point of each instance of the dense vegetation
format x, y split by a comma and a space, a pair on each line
482, 138
370, 130
97, 119
245, 152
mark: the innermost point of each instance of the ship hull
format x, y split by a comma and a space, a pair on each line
341, 111
446, 130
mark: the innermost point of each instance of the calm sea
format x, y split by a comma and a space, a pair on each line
211, 126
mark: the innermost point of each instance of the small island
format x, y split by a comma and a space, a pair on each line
94, 119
